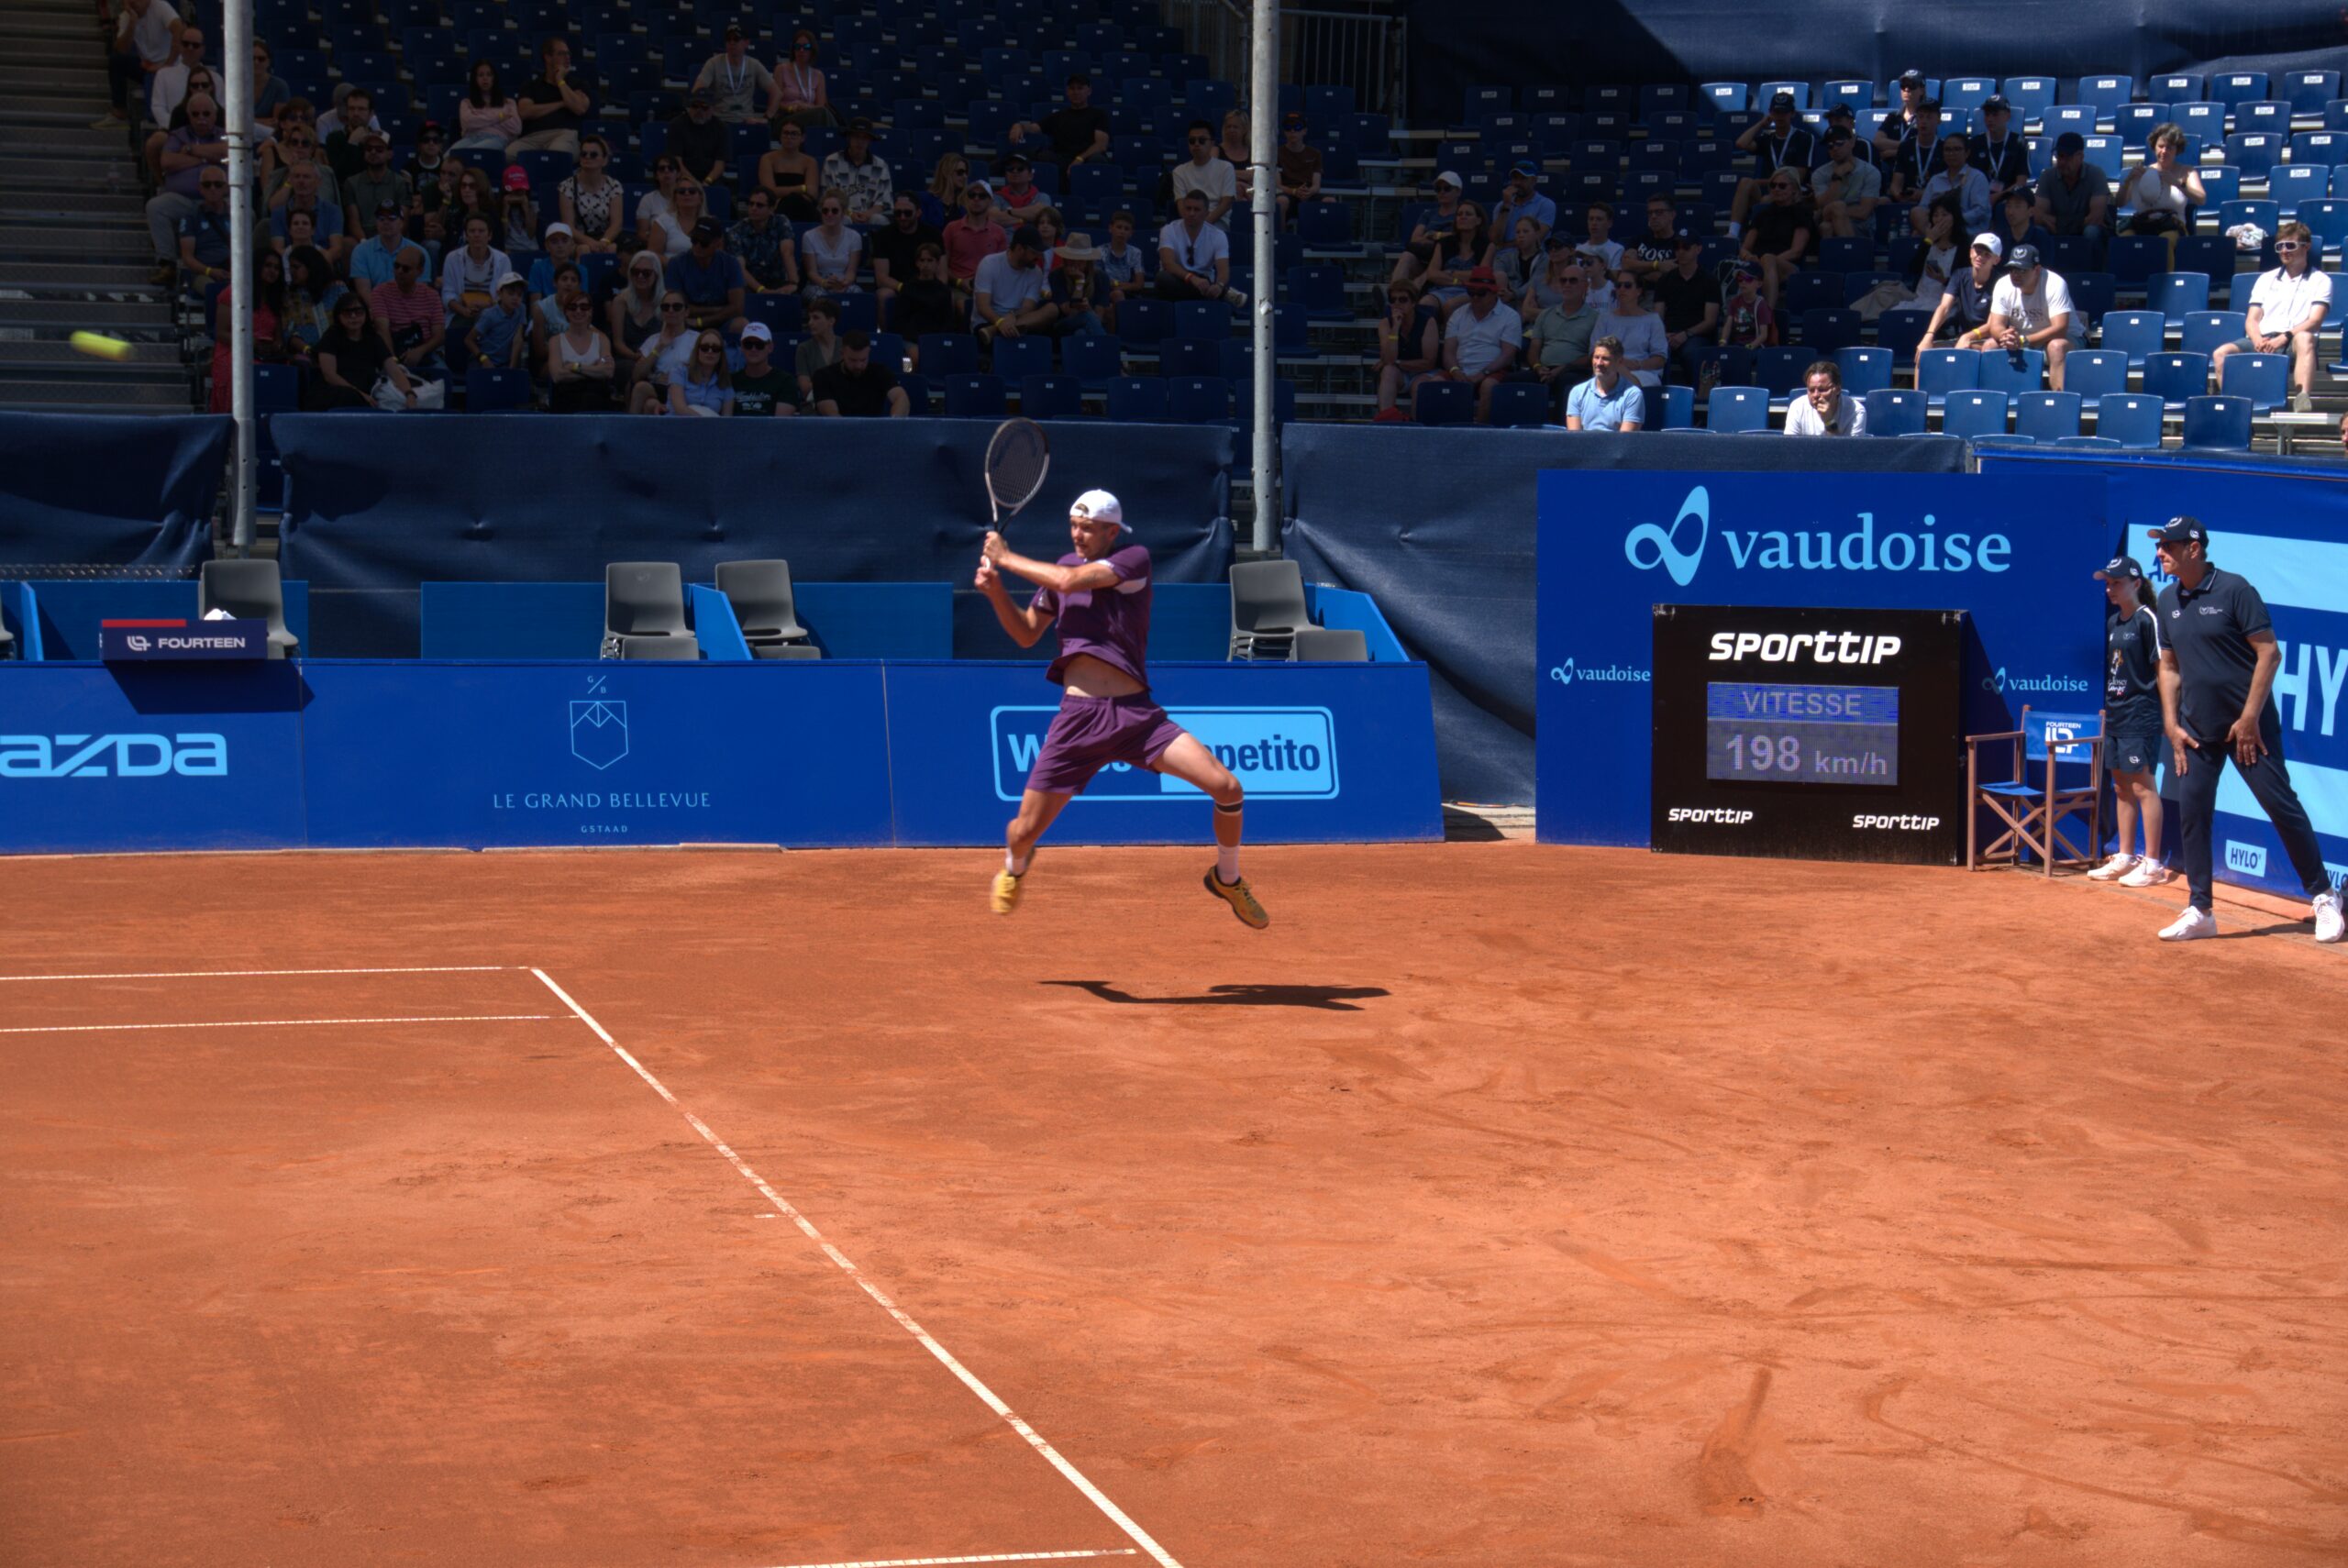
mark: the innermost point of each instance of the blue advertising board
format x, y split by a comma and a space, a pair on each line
2018, 554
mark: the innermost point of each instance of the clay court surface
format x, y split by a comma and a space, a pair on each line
1502, 1205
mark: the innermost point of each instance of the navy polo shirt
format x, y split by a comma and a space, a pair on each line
2131, 694
2209, 630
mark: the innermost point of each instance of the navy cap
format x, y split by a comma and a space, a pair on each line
1932, 103
2121, 569
1525, 166
1688, 237
1027, 236
2180, 531
1996, 100
1556, 242
1781, 101
706, 232
1912, 79
1747, 271
2023, 255
1842, 107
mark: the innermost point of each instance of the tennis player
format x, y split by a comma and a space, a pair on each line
1098, 595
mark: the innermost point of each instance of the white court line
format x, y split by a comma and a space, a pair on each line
1076, 1478
997, 1557
250, 974
280, 1024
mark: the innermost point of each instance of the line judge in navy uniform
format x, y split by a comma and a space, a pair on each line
2218, 664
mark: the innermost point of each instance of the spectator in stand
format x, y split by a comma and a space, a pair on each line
1841, 117
1124, 267
1074, 289
431, 149
943, 201
1655, 251
791, 175
672, 231
550, 308
1522, 198
146, 39
269, 323
698, 139
517, 210
354, 359
1428, 225
297, 137
858, 388
820, 348
343, 150
1236, 150
1521, 264
1609, 400
1822, 410
1466, 248
1410, 348
473, 199
1481, 340
895, 247
1939, 259
861, 176
1778, 142
2166, 191
312, 292
413, 319
487, 119
1957, 177
654, 204
2017, 222
301, 195
270, 93
804, 98
760, 390
706, 387
734, 79
2287, 307
1557, 347
554, 103
711, 280
662, 359
1747, 321
1598, 222
370, 263
1919, 158
1961, 305
1077, 131
2073, 195
1212, 177
2030, 308
469, 273
972, 238
296, 229
1646, 347
833, 252
1846, 191
499, 337
1048, 223
925, 300
1008, 296
1780, 234
1016, 195
634, 315
2002, 156
591, 201
762, 243
378, 182
169, 87
1899, 125
1195, 256
187, 153
1690, 303
1300, 167
578, 361
203, 239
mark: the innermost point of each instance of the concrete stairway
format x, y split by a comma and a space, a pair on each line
74, 253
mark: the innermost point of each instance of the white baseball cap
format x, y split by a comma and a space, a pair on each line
1990, 243
1098, 507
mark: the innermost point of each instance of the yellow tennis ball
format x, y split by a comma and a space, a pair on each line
99, 344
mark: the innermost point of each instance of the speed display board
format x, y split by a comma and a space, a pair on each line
1816, 734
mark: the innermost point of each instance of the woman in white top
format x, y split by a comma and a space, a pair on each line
2165, 191
1824, 410
578, 361
662, 360
832, 252
1940, 257
654, 204
672, 231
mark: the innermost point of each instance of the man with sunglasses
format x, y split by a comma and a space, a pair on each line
1778, 141
410, 308
712, 282
1195, 256
761, 391
860, 174
167, 86
204, 233
734, 78
2287, 307
378, 183
1077, 130
896, 249
1207, 174
190, 150
762, 243
431, 145
372, 263
972, 238
553, 104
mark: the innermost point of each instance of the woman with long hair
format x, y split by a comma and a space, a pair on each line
802, 96
1457, 253
633, 316
311, 291
664, 357
832, 252
789, 172
268, 325
707, 386
2132, 723
354, 356
943, 199
487, 119
671, 234
579, 365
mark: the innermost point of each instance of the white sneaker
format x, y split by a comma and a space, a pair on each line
2112, 869
2329, 924
2190, 926
2148, 874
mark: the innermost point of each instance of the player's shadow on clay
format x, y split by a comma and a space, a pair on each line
1326, 998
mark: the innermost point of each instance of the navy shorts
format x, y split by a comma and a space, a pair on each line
2126, 752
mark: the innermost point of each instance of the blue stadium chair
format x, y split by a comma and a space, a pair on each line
1201, 318
1864, 370
1858, 286
2205, 329
779, 312
1483, 101
2032, 96
1965, 92
1860, 95
2309, 90
1779, 371
1736, 410
2220, 182
2132, 419
1443, 402
2135, 332
2091, 372
2132, 123
1016, 359
1326, 102
2268, 115
1890, 93
2230, 87
1940, 371
1853, 253
1093, 358
2263, 380
2174, 294
1520, 405
2253, 153
1190, 356
1815, 289
859, 312
1769, 90
1145, 323
2133, 258
1198, 400
1899, 329
2218, 424
1824, 331
2266, 213
2293, 185
2327, 218
1318, 289
1325, 225
2093, 294
948, 354
2320, 147
2106, 93
1137, 400
1678, 411
2001, 372
1974, 415
1723, 97
975, 397
2173, 378
1243, 404
2060, 117
547, 169
2204, 124
2048, 416
496, 390
2176, 87
1892, 411
2340, 179
1736, 365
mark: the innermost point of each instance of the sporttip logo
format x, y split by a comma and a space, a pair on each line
1860, 549
2001, 683
2250, 859
1721, 814
1896, 824
1825, 647
1565, 674
113, 757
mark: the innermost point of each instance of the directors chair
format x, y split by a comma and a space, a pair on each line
2043, 790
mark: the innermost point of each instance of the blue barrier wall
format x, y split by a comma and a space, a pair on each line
2284, 527
1437, 526
108, 490
71, 609
378, 507
2018, 554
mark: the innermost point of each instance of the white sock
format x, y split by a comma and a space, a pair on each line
1017, 865
1226, 864
1735, 230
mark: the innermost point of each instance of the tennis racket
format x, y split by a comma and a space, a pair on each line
1017, 459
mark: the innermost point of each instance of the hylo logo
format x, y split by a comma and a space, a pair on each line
115, 757
2250, 859
1649, 546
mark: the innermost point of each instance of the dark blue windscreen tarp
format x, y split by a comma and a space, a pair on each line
1437, 527
381, 504
1454, 46
108, 490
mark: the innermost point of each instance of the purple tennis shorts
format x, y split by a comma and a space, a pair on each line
1090, 733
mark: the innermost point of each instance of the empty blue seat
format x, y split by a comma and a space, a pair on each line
1201, 318
1815, 289
2092, 294
1483, 101
2268, 115
916, 394
1318, 289
1443, 402
2105, 93
1895, 413
1860, 95
2091, 372
1325, 225
948, 354
1973, 413
1139, 399
2253, 153
2218, 423
2293, 185
2013, 374
1092, 357
1738, 409
1051, 397
975, 397
1864, 370
2263, 379
2237, 86
1198, 400
1015, 359
2174, 87
1965, 92
2176, 294
2132, 419
1824, 331
2079, 118
491, 391
2132, 123
2048, 415
2135, 332
2309, 90
2205, 330
2173, 378
1678, 411
2327, 218
2220, 181
1779, 371
2133, 258
1520, 404
1145, 323
2032, 96
1723, 97
1940, 371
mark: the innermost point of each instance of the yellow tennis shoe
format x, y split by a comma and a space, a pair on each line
1241, 898
1006, 892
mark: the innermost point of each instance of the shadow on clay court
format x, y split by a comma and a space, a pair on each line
1327, 999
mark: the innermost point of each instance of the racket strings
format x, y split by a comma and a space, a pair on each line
1015, 463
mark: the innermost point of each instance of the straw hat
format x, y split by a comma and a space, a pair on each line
1077, 248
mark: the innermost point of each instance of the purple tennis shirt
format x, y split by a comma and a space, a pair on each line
1110, 624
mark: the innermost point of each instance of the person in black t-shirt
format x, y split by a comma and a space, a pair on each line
1900, 124
1077, 130
1781, 141
2002, 156
1783, 230
1690, 298
855, 387
2131, 722
761, 391
1919, 157
925, 300
894, 249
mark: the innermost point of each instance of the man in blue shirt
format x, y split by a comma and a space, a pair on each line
711, 281
2218, 664
1522, 200
1609, 400
370, 264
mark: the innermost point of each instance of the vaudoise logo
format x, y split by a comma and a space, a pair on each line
2001, 683
1679, 550
1565, 674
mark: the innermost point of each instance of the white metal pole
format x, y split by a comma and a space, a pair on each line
1263, 136
236, 115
